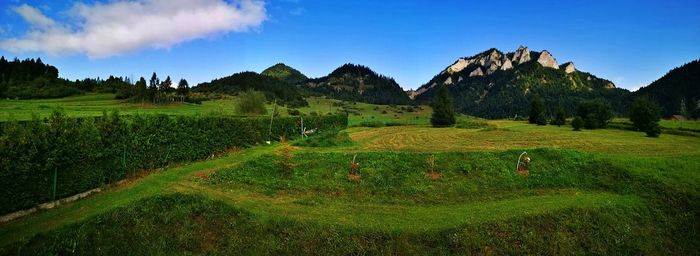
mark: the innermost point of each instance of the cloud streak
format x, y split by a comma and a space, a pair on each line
106, 29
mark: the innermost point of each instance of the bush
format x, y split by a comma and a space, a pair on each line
559, 118
645, 115
577, 123
595, 113
653, 131
251, 102
86, 153
541, 120
293, 112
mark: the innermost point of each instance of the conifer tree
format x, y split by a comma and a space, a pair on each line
443, 109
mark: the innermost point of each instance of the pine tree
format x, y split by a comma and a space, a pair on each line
153, 88
165, 85
141, 89
443, 109
183, 88
536, 110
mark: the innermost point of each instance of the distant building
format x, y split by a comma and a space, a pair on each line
677, 118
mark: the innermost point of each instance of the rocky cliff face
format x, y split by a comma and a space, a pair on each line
546, 60
568, 67
492, 61
507, 64
494, 83
521, 55
476, 72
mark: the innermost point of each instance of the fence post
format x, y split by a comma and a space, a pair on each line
167, 154
53, 187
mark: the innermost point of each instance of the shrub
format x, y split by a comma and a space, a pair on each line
577, 123
251, 102
595, 113
645, 115
559, 118
541, 120
285, 162
293, 112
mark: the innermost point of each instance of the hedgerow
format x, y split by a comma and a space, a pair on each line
85, 153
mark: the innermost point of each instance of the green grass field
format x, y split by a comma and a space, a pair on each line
610, 192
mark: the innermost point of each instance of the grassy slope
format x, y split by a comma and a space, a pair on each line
513, 220
185, 224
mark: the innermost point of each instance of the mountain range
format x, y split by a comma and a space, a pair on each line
495, 84
492, 84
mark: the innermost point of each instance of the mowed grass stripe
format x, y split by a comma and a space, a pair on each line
514, 135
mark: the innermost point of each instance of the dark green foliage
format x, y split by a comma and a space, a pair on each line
595, 113
577, 123
680, 85
285, 73
559, 118
541, 120
505, 93
141, 90
645, 115
31, 79
293, 112
329, 138
272, 87
88, 153
443, 109
359, 83
536, 110
183, 88
251, 102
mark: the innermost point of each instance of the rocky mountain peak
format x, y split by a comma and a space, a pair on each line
546, 60
521, 55
568, 67
459, 65
507, 64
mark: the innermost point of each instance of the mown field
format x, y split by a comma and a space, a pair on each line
610, 192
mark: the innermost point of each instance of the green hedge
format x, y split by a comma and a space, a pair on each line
86, 153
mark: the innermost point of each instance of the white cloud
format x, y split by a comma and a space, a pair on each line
106, 29
34, 16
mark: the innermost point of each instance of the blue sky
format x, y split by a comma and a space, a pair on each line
631, 43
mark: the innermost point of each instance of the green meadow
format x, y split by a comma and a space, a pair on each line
420, 190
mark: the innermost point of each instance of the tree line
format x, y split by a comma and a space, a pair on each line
32, 79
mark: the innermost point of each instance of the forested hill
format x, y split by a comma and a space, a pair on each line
494, 84
359, 83
31, 78
272, 87
285, 73
680, 86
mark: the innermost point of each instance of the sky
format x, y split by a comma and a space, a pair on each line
631, 43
